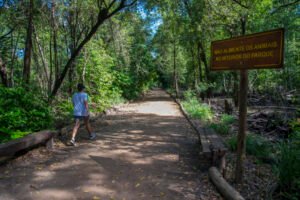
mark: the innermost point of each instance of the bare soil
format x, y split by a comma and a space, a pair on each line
145, 150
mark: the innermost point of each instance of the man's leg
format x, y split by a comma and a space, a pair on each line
89, 128
75, 129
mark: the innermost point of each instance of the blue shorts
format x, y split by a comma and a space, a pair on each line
81, 117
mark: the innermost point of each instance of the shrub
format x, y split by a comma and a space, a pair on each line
22, 112
255, 145
220, 128
196, 109
223, 127
227, 119
288, 165
203, 87
189, 95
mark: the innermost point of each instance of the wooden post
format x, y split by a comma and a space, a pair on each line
241, 144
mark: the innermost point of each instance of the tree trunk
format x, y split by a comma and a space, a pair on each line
235, 91
54, 35
204, 60
41, 52
28, 46
199, 63
207, 73
39, 78
175, 70
86, 58
71, 78
241, 144
50, 68
3, 73
195, 68
14, 46
73, 20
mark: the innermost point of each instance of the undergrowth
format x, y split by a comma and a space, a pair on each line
255, 145
195, 108
22, 112
223, 127
287, 167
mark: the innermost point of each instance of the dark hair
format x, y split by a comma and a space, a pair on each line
80, 87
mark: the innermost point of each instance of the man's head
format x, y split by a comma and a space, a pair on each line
80, 87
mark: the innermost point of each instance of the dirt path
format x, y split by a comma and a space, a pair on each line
147, 151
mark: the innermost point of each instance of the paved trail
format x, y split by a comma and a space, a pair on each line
147, 151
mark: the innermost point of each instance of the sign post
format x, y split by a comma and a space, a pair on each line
256, 51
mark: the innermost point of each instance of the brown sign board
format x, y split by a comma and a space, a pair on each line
256, 51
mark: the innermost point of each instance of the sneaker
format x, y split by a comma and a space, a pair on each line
92, 136
72, 142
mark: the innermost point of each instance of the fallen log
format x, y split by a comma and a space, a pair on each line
273, 108
227, 191
27, 142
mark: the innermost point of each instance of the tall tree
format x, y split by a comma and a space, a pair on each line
105, 11
28, 45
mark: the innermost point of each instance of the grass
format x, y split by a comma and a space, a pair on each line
197, 110
227, 119
223, 127
287, 167
255, 145
220, 128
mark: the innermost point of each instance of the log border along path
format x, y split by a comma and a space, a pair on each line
145, 150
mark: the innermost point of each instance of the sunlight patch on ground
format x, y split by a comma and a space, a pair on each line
166, 157
51, 194
136, 131
155, 108
142, 161
43, 175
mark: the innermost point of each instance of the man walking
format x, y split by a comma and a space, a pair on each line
81, 112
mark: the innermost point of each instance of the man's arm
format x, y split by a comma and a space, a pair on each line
73, 101
86, 105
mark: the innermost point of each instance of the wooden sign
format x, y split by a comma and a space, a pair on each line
256, 51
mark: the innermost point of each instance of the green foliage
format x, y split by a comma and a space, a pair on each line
7, 135
223, 127
63, 110
189, 94
220, 128
171, 91
288, 166
295, 126
255, 145
203, 87
227, 119
196, 109
22, 112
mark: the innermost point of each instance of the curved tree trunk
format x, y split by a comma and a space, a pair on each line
103, 15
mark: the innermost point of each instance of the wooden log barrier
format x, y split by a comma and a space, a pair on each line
227, 191
29, 141
212, 145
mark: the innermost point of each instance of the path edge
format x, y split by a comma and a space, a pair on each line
226, 190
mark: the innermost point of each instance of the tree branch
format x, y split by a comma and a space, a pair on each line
6, 34
103, 15
240, 3
284, 6
131, 4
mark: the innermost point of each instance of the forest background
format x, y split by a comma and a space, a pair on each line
121, 48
